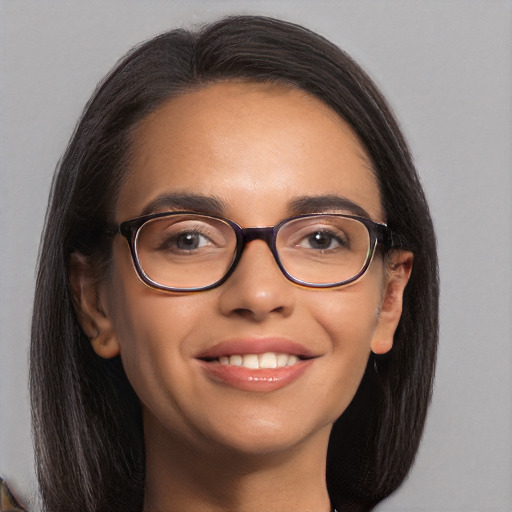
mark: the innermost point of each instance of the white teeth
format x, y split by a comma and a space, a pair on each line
292, 360
282, 360
257, 361
236, 360
250, 361
268, 360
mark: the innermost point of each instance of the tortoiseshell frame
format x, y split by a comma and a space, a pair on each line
379, 234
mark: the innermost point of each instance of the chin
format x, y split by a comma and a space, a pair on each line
260, 436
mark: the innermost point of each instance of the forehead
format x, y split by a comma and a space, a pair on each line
262, 142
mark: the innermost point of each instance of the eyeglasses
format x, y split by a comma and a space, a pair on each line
187, 251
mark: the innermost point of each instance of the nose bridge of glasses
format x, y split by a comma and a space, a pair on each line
265, 234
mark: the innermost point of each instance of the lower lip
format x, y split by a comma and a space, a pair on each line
247, 379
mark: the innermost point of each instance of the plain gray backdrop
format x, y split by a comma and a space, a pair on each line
445, 67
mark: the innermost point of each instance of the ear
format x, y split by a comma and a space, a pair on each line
398, 273
90, 307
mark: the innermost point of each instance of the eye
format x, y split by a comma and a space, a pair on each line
185, 241
322, 240
188, 240
185, 236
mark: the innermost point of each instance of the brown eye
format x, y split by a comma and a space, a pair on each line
322, 240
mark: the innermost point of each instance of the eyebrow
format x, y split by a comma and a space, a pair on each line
215, 206
185, 201
326, 203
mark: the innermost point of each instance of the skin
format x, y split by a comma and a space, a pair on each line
210, 446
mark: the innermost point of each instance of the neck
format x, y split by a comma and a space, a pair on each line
180, 477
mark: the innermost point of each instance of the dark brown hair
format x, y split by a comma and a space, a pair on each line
86, 417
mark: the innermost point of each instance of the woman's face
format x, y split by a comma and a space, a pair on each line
258, 151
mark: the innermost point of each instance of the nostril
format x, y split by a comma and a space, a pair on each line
258, 313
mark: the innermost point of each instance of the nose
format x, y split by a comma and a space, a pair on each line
257, 288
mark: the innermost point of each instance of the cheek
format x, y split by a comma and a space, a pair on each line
154, 332
151, 328
350, 315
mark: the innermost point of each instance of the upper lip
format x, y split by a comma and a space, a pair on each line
255, 345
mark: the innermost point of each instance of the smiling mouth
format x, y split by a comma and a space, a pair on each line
267, 360
256, 364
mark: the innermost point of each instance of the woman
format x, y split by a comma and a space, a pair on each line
184, 358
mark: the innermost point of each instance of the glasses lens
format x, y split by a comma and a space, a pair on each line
323, 249
185, 251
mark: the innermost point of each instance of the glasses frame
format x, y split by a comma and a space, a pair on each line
379, 234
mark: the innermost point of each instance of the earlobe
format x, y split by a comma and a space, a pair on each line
400, 267
90, 309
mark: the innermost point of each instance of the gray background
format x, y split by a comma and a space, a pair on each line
445, 66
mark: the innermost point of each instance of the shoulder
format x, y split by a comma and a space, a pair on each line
8, 503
